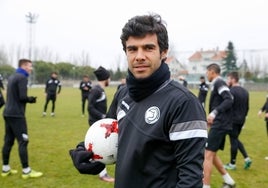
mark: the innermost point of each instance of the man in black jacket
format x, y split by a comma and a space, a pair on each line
264, 110
15, 121
97, 100
97, 106
240, 111
52, 89
203, 91
162, 125
85, 87
220, 122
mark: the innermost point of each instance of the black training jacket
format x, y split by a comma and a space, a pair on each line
240, 105
84, 85
221, 101
16, 96
97, 104
161, 139
52, 85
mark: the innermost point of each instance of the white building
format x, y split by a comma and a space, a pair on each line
198, 62
176, 67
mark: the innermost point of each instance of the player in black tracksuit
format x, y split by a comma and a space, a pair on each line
97, 100
203, 91
85, 87
220, 103
162, 125
240, 110
220, 123
52, 89
97, 104
156, 136
265, 110
15, 121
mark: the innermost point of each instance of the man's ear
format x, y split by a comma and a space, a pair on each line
164, 55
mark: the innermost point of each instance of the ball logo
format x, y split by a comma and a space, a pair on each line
152, 115
110, 128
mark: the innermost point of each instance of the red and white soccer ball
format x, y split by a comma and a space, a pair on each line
102, 139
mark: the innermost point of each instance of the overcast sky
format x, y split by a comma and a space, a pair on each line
70, 27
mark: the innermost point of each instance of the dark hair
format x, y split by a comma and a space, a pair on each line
139, 26
24, 61
234, 75
54, 72
215, 67
202, 77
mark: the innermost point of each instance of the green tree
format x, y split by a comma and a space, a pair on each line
65, 70
42, 71
6, 70
229, 64
84, 70
119, 74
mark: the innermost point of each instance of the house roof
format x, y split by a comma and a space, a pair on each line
197, 56
213, 55
219, 56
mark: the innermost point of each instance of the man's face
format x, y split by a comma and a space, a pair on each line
229, 81
54, 75
28, 67
143, 55
107, 82
86, 79
210, 75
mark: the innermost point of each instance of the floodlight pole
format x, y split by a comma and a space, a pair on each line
31, 19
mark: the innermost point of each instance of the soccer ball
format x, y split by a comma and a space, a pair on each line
102, 139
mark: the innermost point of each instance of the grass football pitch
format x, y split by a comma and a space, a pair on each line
52, 137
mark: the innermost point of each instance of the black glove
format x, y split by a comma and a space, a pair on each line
32, 99
81, 160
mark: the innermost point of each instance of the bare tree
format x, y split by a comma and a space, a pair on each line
84, 59
3, 56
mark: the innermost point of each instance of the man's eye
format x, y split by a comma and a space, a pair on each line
149, 47
131, 50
